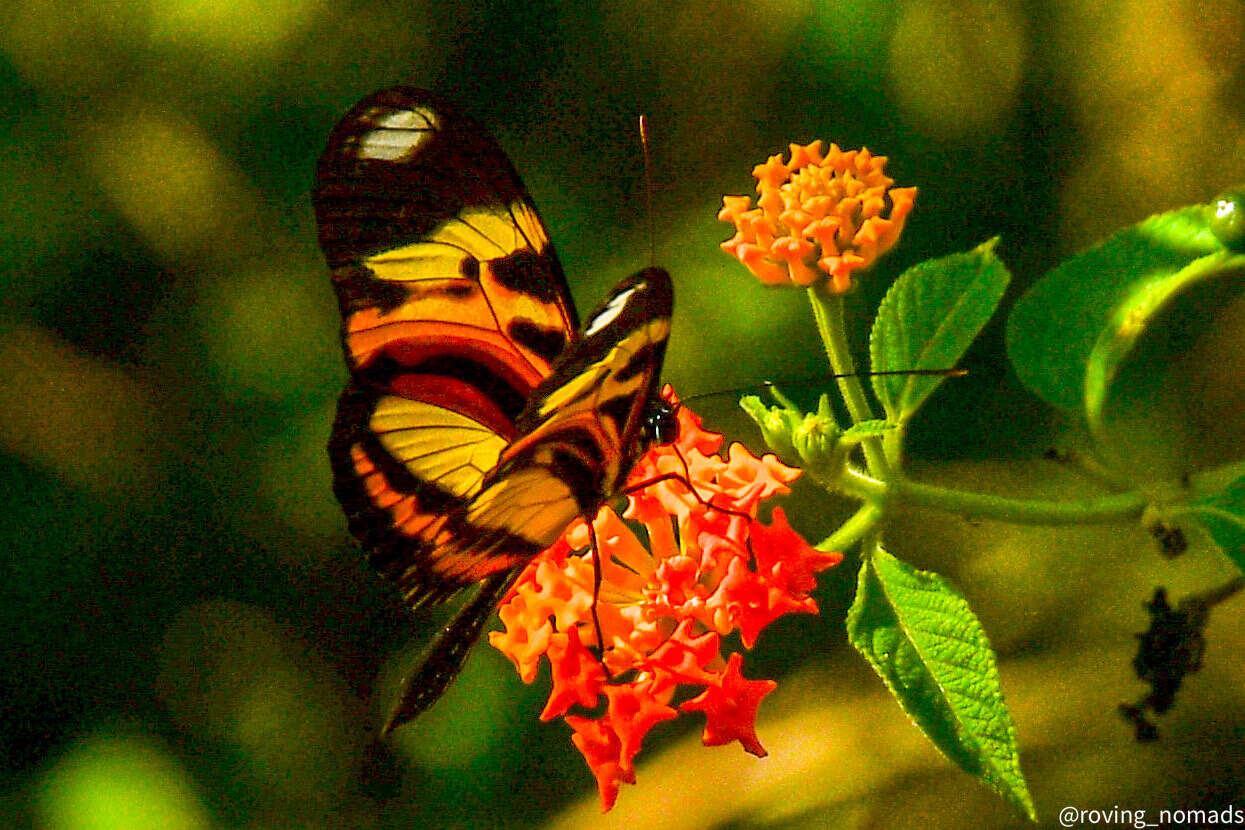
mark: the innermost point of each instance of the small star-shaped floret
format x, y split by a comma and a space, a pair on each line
730, 708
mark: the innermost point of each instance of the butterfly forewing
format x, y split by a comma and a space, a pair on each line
453, 309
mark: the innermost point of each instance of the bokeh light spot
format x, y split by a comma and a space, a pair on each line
270, 334
236, 32
956, 68
113, 782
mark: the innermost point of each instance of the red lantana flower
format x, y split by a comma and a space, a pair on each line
816, 215
663, 608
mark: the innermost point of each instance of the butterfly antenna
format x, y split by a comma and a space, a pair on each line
648, 189
948, 373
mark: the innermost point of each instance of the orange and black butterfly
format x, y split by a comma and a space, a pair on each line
479, 419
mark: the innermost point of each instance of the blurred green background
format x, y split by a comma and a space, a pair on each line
191, 639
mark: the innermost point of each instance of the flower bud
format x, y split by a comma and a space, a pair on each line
776, 424
817, 442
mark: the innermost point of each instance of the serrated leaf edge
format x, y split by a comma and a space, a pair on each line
979, 644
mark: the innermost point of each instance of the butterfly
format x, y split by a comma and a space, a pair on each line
479, 419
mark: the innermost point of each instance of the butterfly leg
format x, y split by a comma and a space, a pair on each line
596, 588
686, 481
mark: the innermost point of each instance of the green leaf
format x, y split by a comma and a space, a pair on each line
1223, 516
928, 320
1142, 302
1055, 326
931, 651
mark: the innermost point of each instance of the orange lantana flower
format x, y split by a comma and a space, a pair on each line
663, 608
816, 215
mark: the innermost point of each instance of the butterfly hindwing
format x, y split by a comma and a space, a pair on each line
582, 431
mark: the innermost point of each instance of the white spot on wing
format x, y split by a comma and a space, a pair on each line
610, 313
407, 119
398, 134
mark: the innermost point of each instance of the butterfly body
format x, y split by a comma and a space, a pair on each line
478, 420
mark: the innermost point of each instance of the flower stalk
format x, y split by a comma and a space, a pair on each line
828, 312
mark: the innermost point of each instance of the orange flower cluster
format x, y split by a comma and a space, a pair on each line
827, 211
663, 611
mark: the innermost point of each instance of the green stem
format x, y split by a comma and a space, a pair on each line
852, 530
828, 311
1098, 510
1217, 479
